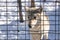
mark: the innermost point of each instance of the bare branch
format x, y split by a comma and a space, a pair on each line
32, 3
20, 10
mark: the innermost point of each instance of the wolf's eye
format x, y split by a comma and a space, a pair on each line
29, 17
34, 17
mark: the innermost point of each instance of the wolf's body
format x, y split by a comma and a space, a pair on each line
39, 23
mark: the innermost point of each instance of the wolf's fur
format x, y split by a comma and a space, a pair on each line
39, 25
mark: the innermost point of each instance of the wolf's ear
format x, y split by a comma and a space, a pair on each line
40, 9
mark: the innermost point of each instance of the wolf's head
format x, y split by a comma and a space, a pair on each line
33, 14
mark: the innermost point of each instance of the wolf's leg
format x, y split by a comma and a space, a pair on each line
41, 36
46, 36
36, 36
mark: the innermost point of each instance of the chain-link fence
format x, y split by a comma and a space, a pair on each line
12, 29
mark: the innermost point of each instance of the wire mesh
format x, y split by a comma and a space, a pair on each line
10, 24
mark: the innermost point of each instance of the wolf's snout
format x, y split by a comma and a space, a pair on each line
29, 26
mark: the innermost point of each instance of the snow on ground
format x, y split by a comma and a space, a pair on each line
13, 24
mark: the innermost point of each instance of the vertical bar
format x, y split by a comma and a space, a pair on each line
20, 10
58, 14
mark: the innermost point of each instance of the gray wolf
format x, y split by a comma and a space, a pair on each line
38, 23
